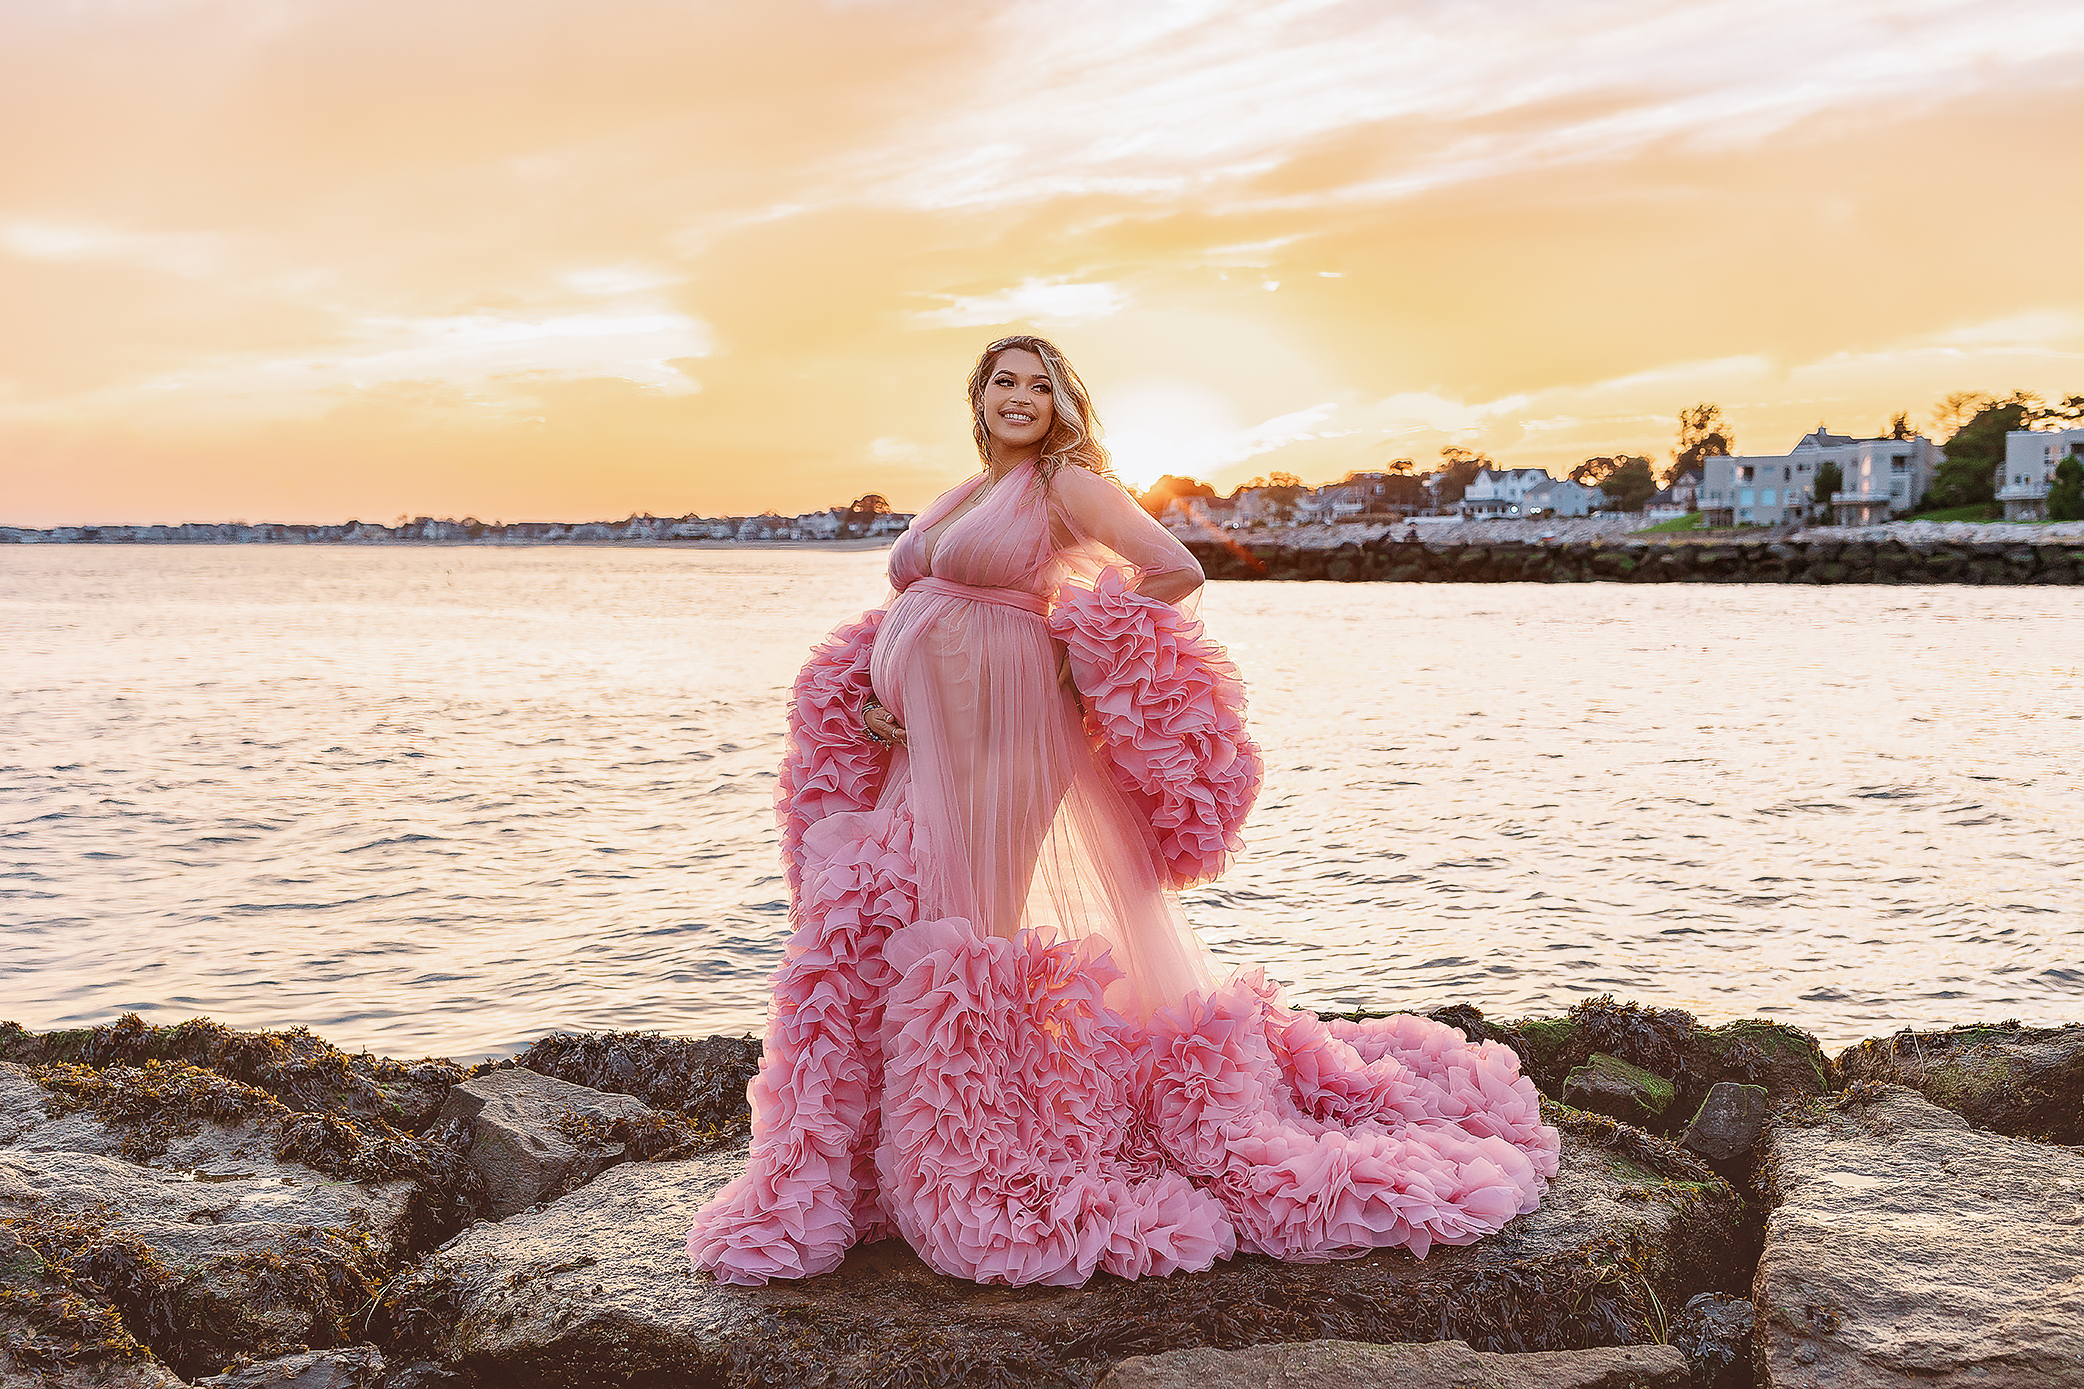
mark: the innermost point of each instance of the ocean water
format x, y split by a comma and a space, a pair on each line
441, 801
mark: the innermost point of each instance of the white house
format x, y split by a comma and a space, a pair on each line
1881, 478
2028, 470
1561, 497
1501, 493
816, 525
890, 523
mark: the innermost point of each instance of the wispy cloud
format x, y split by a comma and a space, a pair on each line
1044, 303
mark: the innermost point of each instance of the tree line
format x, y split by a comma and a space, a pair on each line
1972, 423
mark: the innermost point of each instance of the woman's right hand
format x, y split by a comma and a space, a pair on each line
876, 719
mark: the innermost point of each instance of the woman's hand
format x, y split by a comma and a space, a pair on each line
876, 719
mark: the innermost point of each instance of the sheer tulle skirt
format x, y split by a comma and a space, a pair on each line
1015, 823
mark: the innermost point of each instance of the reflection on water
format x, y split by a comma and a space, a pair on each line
446, 800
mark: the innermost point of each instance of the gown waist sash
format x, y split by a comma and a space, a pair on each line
1001, 597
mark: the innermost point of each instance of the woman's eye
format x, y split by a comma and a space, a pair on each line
1043, 387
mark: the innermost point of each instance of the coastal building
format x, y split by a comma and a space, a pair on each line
890, 523
2028, 470
1561, 497
1880, 478
1664, 505
1512, 493
1189, 515
1499, 493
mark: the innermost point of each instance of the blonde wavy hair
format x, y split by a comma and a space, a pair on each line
1074, 433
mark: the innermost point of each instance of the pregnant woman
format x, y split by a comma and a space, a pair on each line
993, 1031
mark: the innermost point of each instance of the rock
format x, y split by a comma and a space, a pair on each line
2023, 1081
218, 1247
1907, 1248
1608, 1085
529, 1134
1728, 1123
1668, 1043
1434, 1365
702, 1077
355, 1367
1717, 1333
22, 1366
597, 1286
298, 1067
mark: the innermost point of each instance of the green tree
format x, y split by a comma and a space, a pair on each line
861, 515
1703, 434
1627, 479
1829, 478
1956, 410
1969, 474
2066, 497
1458, 468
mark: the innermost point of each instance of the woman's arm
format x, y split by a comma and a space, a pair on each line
1094, 508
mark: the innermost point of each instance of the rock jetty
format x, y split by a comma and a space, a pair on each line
197, 1206
1651, 560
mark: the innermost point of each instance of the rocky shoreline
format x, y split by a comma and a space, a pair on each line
1656, 560
191, 1205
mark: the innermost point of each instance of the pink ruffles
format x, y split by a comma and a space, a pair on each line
1166, 708
829, 768
809, 1190
1328, 1140
1028, 1134
1012, 1148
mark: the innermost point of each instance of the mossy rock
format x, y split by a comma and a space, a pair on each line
1667, 1042
2023, 1081
1608, 1085
298, 1067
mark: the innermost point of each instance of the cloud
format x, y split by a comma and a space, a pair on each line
1534, 230
193, 255
1044, 303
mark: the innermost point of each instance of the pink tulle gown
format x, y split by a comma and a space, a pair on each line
993, 1032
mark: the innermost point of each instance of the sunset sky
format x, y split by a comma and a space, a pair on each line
522, 260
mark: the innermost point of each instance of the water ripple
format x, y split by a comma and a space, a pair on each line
446, 800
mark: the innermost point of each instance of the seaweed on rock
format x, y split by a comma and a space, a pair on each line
94, 1294
298, 1067
154, 1104
702, 1078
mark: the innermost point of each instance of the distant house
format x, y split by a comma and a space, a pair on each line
1191, 514
1685, 490
2028, 470
1664, 505
1268, 506
816, 525
1882, 477
1501, 493
891, 523
1561, 497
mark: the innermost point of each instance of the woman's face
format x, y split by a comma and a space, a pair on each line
1018, 409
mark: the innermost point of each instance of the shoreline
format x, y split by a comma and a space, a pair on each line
182, 1199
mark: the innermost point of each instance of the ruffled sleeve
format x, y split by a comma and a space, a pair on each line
1165, 708
1096, 526
829, 766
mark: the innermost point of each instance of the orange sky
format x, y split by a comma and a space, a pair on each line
534, 260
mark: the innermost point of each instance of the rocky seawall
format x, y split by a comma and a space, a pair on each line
195, 1206
1638, 560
